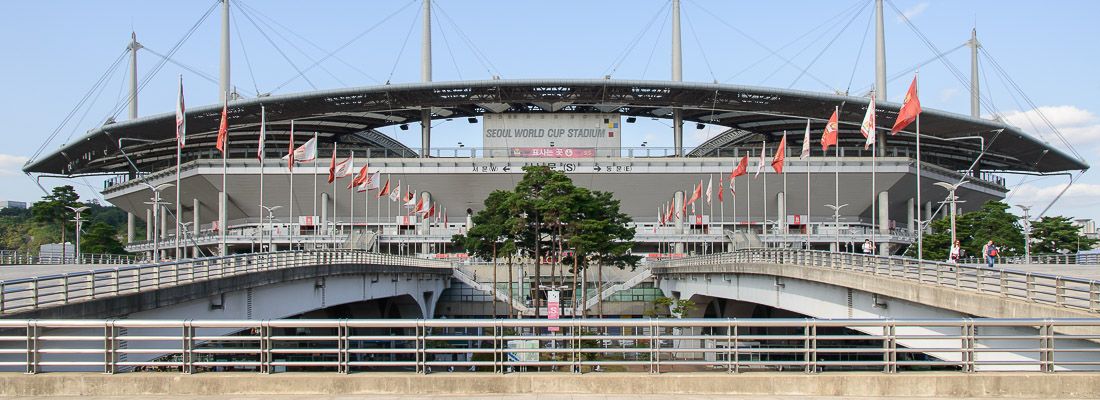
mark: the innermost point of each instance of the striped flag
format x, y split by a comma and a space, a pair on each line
181, 120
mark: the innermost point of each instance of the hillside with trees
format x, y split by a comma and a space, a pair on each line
50, 220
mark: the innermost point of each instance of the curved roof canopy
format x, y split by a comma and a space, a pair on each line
352, 115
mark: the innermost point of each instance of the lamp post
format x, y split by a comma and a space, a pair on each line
78, 211
953, 200
270, 221
836, 221
157, 203
1027, 233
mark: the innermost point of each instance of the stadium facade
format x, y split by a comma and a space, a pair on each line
567, 124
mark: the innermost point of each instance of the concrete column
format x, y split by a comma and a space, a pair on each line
884, 220
781, 211
678, 204
426, 76
195, 221
223, 78
164, 249
131, 226
928, 216
223, 201
910, 214
149, 233
975, 100
324, 213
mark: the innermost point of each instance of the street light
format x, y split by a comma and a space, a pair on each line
270, 222
951, 198
77, 218
156, 203
836, 221
1027, 233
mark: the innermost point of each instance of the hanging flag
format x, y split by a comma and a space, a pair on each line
263, 134
430, 211
710, 186
867, 128
780, 155
733, 192
290, 149
806, 143
763, 160
385, 189
360, 178
332, 166
223, 127
362, 187
181, 121
410, 198
396, 193
374, 182
660, 216
671, 210
419, 207
910, 108
304, 153
342, 169
697, 193
829, 137
444, 216
721, 187
742, 168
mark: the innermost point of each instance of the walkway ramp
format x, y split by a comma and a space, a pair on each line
469, 279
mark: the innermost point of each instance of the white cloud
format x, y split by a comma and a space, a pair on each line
914, 11
1078, 201
1079, 126
11, 165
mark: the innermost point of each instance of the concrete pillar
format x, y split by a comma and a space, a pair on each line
223, 201
195, 221
163, 232
781, 212
678, 204
131, 226
910, 214
324, 213
884, 220
928, 217
149, 232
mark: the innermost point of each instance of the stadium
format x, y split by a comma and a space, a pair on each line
833, 199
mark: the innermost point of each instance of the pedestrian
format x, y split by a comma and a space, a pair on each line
868, 247
989, 251
956, 252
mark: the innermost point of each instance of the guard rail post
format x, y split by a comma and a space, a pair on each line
65, 288
32, 347
34, 292
968, 333
1060, 291
342, 346
1094, 297
1003, 282
265, 347
1030, 286
187, 364
110, 345
809, 345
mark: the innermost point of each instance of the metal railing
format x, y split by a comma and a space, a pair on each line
1069, 292
13, 257
18, 295
578, 345
1070, 258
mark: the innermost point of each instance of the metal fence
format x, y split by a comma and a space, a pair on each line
579, 345
17, 295
1071, 259
1082, 294
14, 257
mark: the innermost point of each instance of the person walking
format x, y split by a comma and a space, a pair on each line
956, 253
868, 247
989, 251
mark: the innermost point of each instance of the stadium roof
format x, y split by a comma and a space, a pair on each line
352, 115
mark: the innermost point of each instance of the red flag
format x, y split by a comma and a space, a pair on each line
721, 187
910, 108
181, 119
742, 168
829, 137
223, 128
419, 208
780, 155
332, 166
697, 193
385, 189
359, 179
290, 152
431, 211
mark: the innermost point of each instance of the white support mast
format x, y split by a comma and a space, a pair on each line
975, 100
131, 219
426, 76
223, 79
677, 76
880, 71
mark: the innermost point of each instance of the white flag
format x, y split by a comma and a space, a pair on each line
396, 193
374, 182
181, 120
344, 168
412, 199
763, 160
305, 152
710, 185
806, 143
868, 126
263, 133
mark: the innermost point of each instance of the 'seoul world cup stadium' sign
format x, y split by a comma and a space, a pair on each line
564, 135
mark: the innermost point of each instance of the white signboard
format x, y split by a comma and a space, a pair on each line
553, 135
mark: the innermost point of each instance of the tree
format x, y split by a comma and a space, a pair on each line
489, 236
991, 222
1057, 235
53, 209
675, 308
101, 238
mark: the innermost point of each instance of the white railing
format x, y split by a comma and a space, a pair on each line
1082, 294
10, 257
642, 273
23, 294
579, 345
471, 280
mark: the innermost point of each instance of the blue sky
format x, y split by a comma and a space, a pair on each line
56, 50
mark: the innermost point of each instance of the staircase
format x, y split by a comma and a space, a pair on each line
468, 279
743, 240
362, 241
640, 275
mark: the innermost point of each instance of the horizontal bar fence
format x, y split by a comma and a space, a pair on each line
578, 345
1069, 292
19, 295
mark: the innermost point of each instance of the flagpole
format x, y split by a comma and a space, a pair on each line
920, 206
351, 207
290, 207
764, 220
710, 201
221, 229
836, 184
332, 228
315, 173
783, 217
179, 146
808, 219
263, 133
